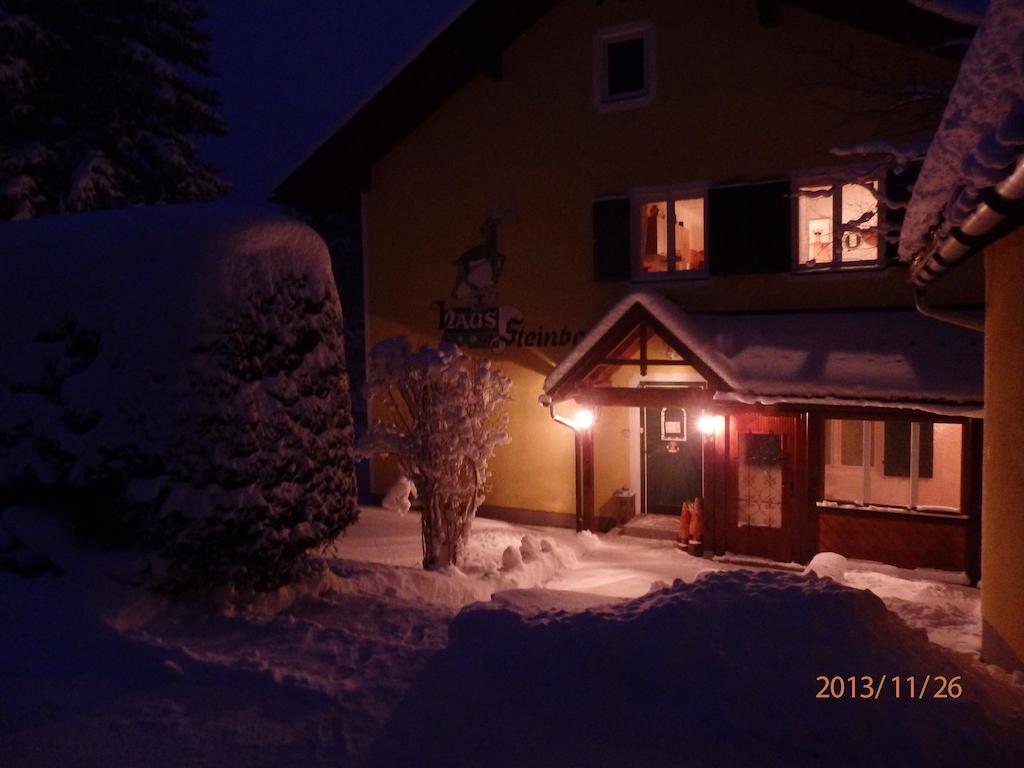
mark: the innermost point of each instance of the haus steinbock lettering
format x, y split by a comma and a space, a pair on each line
498, 328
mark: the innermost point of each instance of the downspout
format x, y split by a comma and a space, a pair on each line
578, 450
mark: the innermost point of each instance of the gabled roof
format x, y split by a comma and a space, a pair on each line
876, 358
332, 177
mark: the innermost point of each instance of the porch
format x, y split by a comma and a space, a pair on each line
857, 433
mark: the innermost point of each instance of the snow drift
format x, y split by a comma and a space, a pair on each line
721, 672
175, 376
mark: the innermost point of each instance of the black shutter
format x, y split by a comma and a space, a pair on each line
749, 229
898, 187
897, 449
926, 451
611, 239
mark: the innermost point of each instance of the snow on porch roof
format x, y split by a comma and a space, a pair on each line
888, 358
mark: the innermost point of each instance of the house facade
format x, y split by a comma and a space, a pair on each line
647, 213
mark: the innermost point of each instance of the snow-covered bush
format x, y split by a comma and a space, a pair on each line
175, 378
439, 415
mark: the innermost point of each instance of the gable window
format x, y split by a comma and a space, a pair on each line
912, 464
624, 66
837, 225
669, 234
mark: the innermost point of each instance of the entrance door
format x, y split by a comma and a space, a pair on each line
672, 458
760, 499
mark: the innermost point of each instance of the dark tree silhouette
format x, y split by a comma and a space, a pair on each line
98, 101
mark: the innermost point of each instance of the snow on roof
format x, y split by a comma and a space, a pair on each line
896, 358
981, 134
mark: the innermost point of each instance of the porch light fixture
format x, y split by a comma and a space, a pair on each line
583, 418
707, 424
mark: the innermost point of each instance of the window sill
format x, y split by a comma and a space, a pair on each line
669, 277
880, 510
843, 270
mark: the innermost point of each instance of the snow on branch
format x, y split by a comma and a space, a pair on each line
439, 414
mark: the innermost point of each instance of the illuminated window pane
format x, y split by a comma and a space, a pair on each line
942, 488
654, 237
689, 234
815, 225
860, 222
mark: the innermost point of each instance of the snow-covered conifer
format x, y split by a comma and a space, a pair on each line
440, 416
98, 101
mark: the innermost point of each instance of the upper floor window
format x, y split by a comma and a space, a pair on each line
624, 66
669, 234
837, 225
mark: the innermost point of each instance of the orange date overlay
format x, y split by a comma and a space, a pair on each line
874, 687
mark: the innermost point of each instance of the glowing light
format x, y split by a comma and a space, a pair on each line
583, 419
707, 424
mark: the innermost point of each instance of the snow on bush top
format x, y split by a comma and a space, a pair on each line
177, 375
160, 266
981, 134
720, 672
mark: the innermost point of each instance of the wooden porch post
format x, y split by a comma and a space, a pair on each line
970, 492
585, 446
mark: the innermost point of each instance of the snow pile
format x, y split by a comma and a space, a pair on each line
176, 376
828, 565
721, 672
981, 134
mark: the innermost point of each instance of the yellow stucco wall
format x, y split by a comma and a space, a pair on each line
735, 101
1002, 519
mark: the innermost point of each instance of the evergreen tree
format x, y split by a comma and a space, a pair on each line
98, 100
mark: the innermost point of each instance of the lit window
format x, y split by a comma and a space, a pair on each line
624, 66
671, 233
893, 463
837, 225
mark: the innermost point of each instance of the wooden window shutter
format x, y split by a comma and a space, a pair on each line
898, 187
770, 228
749, 227
611, 239
897, 449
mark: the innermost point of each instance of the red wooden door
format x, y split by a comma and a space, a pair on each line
760, 490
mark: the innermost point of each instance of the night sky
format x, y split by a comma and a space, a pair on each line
290, 71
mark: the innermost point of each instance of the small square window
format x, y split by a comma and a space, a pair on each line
624, 66
837, 225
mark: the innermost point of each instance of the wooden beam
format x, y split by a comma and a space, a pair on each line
645, 396
650, 361
643, 349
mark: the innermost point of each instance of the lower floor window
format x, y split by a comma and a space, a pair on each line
913, 464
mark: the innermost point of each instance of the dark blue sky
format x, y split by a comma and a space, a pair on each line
290, 71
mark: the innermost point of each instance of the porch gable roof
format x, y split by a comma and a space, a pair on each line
873, 358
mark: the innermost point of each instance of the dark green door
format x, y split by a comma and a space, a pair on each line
672, 458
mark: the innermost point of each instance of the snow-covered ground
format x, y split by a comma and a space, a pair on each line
94, 671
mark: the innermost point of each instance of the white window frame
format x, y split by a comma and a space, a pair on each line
643, 197
835, 179
603, 101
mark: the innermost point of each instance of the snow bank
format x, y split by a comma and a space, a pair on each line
721, 672
177, 375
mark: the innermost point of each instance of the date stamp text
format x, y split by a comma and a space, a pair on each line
874, 687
